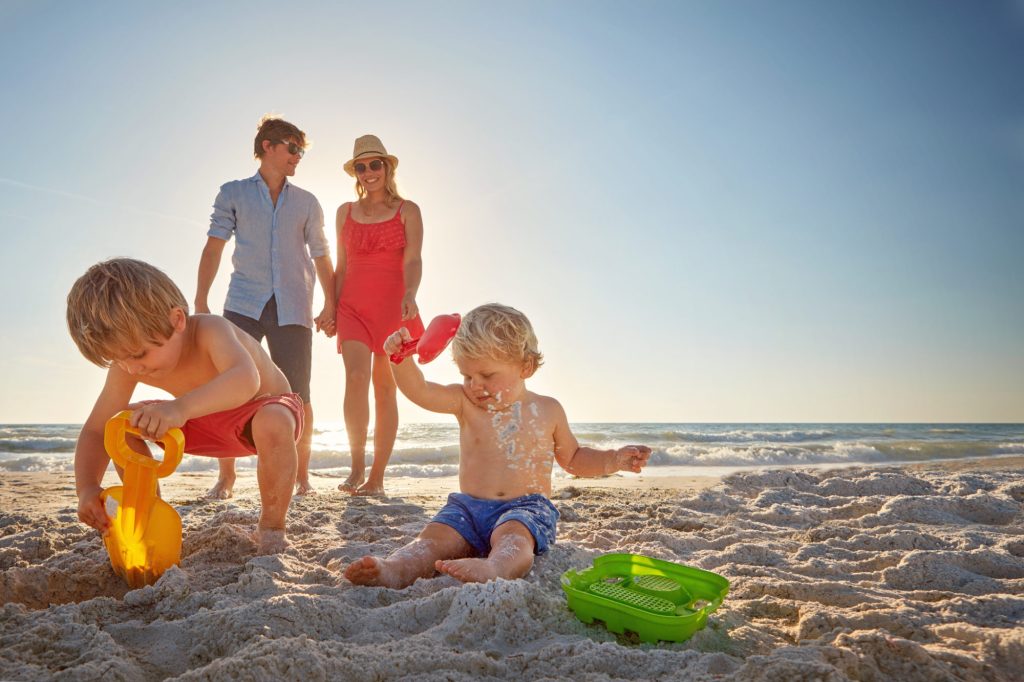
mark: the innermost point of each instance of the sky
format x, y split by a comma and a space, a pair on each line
796, 211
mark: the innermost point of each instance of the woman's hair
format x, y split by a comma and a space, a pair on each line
390, 188
119, 305
498, 331
276, 129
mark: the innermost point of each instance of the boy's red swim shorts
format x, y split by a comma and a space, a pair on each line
229, 433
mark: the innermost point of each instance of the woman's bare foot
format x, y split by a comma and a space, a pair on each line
371, 571
271, 541
222, 490
467, 570
304, 488
351, 484
370, 489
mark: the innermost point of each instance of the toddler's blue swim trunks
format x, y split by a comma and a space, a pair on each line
475, 519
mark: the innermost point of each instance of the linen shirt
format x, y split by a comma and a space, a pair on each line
274, 247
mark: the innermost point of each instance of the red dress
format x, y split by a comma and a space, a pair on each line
370, 308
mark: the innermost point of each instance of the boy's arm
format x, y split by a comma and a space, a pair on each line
91, 457
410, 380
588, 462
236, 383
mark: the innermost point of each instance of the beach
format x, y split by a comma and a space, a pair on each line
911, 572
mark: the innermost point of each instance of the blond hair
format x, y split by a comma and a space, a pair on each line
276, 129
498, 331
119, 305
390, 186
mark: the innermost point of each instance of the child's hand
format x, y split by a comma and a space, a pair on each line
92, 513
154, 420
632, 457
394, 342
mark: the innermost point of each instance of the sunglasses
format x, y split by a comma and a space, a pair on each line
294, 148
374, 165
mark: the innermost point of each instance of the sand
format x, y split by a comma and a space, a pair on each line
912, 573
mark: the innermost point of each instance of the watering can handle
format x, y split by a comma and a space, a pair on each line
116, 445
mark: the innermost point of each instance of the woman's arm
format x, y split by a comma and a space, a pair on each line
339, 269
413, 259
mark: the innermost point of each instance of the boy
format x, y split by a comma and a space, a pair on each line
230, 400
280, 242
508, 438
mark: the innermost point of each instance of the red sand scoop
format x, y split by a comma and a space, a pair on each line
144, 539
436, 337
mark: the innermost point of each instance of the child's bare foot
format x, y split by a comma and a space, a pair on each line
304, 488
467, 570
371, 571
369, 489
222, 490
351, 484
271, 541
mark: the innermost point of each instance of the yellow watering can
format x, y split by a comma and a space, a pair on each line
144, 539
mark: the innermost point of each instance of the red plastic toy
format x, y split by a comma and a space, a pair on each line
436, 337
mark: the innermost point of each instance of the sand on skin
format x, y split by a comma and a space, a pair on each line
912, 573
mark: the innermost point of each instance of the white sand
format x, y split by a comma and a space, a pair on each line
861, 574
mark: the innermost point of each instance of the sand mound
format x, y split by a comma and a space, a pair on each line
857, 574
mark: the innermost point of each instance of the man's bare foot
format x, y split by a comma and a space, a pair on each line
221, 491
369, 489
304, 488
351, 484
371, 571
467, 570
271, 541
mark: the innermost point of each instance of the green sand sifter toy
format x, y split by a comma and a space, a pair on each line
658, 600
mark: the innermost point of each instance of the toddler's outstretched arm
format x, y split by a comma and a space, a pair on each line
410, 380
589, 462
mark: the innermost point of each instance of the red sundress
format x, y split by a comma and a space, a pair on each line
370, 307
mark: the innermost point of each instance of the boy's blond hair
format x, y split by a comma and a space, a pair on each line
119, 305
498, 331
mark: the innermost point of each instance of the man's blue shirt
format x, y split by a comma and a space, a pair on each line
271, 256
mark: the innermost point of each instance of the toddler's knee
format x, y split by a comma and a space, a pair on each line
273, 425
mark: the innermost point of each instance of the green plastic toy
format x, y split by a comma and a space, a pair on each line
658, 600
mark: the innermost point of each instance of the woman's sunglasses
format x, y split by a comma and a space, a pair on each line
294, 148
374, 165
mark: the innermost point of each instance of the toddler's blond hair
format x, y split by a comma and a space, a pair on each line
498, 331
118, 305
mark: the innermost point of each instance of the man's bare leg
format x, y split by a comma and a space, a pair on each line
225, 485
273, 434
511, 557
414, 560
304, 448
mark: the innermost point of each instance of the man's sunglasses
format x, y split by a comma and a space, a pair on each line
374, 165
294, 148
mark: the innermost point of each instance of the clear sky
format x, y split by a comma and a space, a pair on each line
712, 211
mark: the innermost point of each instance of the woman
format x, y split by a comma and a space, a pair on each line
380, 236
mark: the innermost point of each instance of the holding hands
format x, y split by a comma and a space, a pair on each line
632, 458
325, 322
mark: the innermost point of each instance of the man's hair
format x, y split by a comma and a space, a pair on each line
276, 129
118, 305
500, 332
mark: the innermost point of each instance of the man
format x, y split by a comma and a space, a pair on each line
280, 242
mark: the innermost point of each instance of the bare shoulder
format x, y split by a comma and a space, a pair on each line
343, 210
411, 209
544, 407
206, 329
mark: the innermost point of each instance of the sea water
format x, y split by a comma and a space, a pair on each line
430, 450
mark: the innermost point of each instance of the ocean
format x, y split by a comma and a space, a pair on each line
430, 450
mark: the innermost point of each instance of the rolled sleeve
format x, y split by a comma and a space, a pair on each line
314, 232
223, 219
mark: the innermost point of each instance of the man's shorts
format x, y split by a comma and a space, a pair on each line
475, 519
229, 433
291, 345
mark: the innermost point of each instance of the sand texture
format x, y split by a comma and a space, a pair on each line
857, 574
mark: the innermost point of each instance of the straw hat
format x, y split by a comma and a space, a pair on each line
368, 146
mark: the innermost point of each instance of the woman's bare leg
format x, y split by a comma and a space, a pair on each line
357, 408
